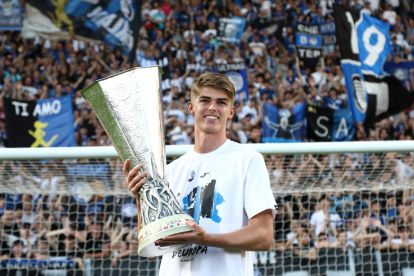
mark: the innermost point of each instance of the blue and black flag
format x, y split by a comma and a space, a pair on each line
351, 66
364, 43
112, 21
282, 124
326, 124
41, 123
308, 41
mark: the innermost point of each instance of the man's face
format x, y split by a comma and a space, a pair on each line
211, 109
17, 249
7, 217
256, 133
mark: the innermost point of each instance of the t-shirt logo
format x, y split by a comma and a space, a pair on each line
203, 201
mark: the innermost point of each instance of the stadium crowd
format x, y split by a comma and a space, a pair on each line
182, 39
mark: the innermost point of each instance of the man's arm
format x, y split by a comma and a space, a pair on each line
106, 252
256, 236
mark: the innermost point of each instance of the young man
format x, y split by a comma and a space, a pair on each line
223, 185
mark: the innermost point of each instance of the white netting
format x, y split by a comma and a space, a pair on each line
75, 216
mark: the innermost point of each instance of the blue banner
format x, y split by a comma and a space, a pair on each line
10, 15
283, 125
237, 74
374, 44
308, 41
326, 124
231, 29
343, 127
58, 263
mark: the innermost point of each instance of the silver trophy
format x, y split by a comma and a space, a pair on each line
129, 107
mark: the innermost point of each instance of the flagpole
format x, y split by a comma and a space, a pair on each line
136, 26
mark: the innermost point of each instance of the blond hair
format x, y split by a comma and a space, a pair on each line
214, 80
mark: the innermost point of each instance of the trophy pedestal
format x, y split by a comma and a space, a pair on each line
159, 229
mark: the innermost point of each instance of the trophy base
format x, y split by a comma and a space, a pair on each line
159, 229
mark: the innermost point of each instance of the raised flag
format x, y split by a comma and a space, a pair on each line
41, 123
308, 41
110, 21
347, 40
237, 74
230, 29
367, 40
326, 124
10, 15
374, 44
282, 124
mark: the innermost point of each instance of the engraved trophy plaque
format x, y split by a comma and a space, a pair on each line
129, 107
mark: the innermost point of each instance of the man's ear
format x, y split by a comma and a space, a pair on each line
190, 108
232, 112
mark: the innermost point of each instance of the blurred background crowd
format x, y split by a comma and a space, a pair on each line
182, 40
181, 37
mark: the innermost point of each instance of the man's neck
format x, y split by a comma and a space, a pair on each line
205, 143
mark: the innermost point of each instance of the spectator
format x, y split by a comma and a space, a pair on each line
305, 247
73, 251
40, 250
403, 239
97, 242
322, 220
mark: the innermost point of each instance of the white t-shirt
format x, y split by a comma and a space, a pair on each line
221, 190
318, 220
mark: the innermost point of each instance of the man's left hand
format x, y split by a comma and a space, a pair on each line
197, 236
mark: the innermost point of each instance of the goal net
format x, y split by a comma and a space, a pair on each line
339, 214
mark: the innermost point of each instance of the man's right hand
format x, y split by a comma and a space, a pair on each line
134, 178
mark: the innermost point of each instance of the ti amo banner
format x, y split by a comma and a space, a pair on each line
41, 123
